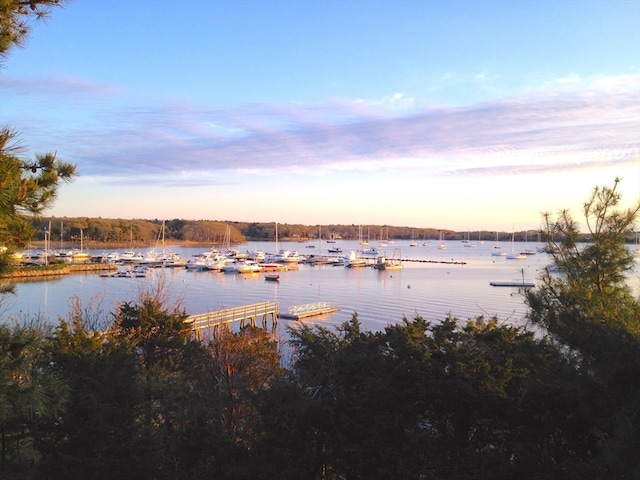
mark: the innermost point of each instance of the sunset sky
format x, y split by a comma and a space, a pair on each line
446, 114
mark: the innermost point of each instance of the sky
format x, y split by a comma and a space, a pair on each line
458, 115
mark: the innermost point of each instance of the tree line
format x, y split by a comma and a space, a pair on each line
142, 233
132, 394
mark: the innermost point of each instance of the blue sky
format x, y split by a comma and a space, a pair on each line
443, 114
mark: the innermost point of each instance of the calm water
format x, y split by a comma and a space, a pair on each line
379, 298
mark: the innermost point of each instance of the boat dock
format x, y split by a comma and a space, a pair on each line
445, 262
248, 314
512, 284
370, 261
299, 312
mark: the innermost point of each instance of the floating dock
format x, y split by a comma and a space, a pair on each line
512, 284
299, 312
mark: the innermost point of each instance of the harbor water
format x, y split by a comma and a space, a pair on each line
433, 283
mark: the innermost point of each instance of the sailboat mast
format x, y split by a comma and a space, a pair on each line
163, 236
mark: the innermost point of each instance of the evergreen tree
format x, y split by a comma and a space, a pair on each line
164, 353
27, 187
31, 394
98, 436
586, 305
451, 400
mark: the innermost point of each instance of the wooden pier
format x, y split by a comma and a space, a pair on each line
246, 315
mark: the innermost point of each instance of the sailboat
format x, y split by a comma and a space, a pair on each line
281, 255
47, 245
365, 249
62, 253
467, 241
497, 252
515, 255
318, 258
413, 240
168, 258
441, 245
80, 254
129, 255
384, 240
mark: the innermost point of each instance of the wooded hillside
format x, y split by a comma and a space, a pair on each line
140, 232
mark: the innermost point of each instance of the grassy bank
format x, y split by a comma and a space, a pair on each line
56, 270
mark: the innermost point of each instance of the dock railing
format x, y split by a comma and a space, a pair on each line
245, 315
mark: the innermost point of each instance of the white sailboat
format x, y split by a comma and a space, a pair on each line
168, 258
62, 253
281, 255
467, 241
413, 242
384, 240
80, 255
515, 255
497, 252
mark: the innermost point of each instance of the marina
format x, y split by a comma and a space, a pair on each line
432, 283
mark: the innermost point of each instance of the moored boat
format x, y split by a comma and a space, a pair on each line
383, 263
249, 266
285, 256
353, 261
393, 263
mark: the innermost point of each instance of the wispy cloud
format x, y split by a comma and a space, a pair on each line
569, 79
55, 85
182, 144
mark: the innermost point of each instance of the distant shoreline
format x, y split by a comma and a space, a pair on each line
94, 245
